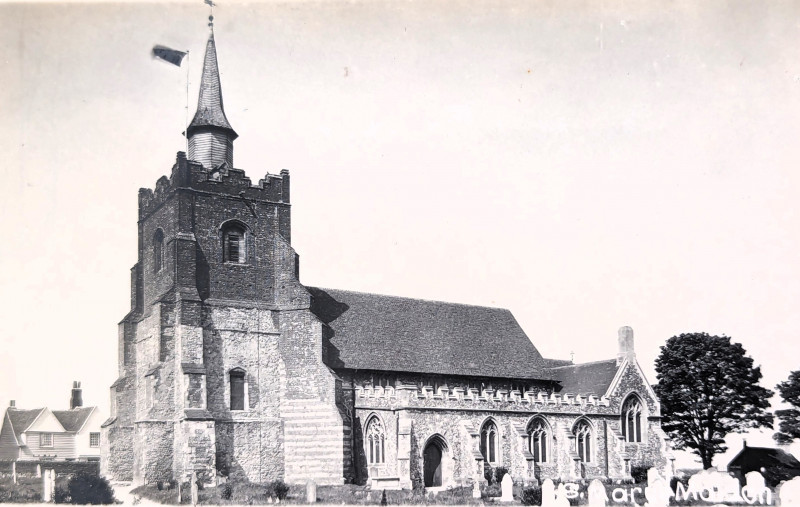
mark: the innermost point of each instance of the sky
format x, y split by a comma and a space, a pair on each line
586, 164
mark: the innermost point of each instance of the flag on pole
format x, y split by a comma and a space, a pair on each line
172, 56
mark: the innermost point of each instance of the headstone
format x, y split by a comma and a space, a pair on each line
179, 492
561, 496
789, 492
476, 490
14, 472
657, 493
47, 484
507, 489
755, 480
548, 493
597, 494
52, 484
194, 488
653, 475
38, 471
311, 491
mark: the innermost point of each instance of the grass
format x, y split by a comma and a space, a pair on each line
245, 493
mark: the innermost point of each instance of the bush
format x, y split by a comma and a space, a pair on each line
92, 489
61, 495
226, 491
160, 485
639, 473
172, 484
488, 474
383, 498
531, 496
278, 489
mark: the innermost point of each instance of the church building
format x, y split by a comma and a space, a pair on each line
229, 365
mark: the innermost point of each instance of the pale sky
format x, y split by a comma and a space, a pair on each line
587, 165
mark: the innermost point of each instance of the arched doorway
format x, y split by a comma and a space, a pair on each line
432, 463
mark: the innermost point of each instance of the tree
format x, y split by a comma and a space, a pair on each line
708, 388
790, 418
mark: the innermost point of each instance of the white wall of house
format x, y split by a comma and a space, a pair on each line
83, 439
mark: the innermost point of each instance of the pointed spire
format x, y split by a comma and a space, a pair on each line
210, 111
210, 135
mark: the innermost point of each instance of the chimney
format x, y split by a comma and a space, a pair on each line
12, 403
76, 400
625, 343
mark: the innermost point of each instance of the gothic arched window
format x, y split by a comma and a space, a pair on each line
374, 438
583, 441
234, 243
238, 390
158, 250
538, 440
489, 441
632, 419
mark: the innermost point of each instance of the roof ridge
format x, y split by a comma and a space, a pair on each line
581, 364
407, 298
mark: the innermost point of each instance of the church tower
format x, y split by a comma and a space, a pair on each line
218, 321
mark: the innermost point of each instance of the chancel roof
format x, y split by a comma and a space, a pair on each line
586, 378
375, 332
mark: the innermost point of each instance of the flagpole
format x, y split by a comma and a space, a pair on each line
186, 119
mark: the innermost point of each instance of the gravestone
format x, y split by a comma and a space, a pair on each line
14, 472
194, 488
507, 489
548, 493
657, 492
597, 494
476, 490
653, 475
311, 491
38, 471
561, 496
755, 480
48, 485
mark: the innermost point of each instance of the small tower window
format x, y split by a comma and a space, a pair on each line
234, 244
632, 420
158, 250
238, 389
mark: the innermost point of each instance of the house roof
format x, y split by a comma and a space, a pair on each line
376, 332
74, 419
21, 420
754, 458
586, 378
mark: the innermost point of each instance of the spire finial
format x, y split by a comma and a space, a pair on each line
211, 6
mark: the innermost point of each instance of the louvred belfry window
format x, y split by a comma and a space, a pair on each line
234, 244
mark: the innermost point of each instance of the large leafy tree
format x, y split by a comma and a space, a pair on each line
790, 418
708, 388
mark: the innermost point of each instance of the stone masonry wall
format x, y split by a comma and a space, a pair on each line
251, 450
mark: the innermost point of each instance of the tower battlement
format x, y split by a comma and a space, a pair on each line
224, 181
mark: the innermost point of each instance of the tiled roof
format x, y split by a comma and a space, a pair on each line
757, 457
210, 111
22, 419
587, 378
375, 332
74, 419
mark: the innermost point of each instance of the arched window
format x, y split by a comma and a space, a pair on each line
375, 442
238, 390
489, 441
158, 250
234, 243
583, 441
538, 440
632, 419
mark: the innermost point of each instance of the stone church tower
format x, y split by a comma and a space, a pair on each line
218, 321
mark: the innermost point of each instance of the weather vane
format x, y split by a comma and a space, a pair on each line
211, 5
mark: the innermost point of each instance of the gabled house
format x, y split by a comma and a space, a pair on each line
44, 434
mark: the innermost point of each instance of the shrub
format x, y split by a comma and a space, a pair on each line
92, 489
61, 495
226, 491
172, 484
278, 489
383, 498
531, 496
160, 485
639, 473
499, 473
488, 474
